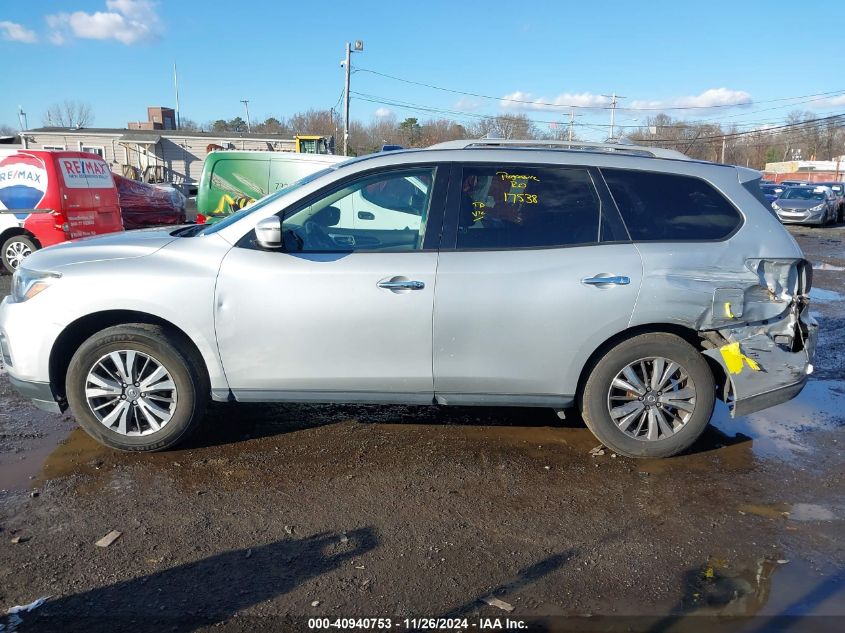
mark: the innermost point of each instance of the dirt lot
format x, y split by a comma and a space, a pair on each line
274, 514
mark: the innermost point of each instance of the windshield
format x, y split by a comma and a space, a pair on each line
213, 228
803, 193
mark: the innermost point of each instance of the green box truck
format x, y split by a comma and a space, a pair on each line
234, 179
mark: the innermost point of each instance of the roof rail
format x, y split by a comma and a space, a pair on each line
638, 150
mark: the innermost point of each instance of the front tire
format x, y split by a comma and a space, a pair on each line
649, 396
137, 387
15, 250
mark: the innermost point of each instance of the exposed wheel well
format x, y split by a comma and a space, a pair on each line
80, 330
688, 334
5, 235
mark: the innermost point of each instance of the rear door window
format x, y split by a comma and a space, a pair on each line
669, 207
524, 207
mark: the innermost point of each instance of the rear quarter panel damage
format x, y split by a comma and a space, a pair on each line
751, 311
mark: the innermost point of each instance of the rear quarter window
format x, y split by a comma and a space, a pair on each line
669, 207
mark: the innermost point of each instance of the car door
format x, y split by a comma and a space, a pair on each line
339, 313
539, 271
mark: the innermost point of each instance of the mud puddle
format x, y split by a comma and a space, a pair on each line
27, 437
780, 432
823, 295
774, 586
826, 266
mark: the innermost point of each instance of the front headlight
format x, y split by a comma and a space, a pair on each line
28, 283
775, 206
818, 207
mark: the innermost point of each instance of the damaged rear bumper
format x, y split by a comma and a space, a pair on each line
767, 363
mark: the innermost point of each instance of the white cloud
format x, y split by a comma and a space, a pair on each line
830, 102
526, 101
708, 98
127, 21
468, 104
15, 32
383, 112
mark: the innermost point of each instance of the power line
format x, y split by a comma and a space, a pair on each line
597, 126
821, 95
801, 125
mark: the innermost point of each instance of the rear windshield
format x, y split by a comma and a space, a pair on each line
669, 207
803, 193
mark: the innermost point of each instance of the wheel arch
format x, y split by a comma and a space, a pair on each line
78, 331
690, 335
18, 230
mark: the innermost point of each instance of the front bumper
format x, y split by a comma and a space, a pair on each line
40, 393
27, 335
801, 217
762, 371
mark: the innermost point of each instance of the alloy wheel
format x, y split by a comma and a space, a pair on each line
131, 393
16, 252
651, 398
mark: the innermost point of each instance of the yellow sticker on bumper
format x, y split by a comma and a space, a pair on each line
735, 360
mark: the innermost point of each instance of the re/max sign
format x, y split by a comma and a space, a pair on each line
84, 167
20, 175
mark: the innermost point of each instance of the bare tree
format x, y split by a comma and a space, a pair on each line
7, 130
68, 114
190, 125
322, 122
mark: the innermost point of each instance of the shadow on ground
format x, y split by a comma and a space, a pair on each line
204, 593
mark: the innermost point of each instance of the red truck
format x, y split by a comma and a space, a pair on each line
48, 197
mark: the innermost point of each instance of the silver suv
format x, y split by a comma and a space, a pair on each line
630, 282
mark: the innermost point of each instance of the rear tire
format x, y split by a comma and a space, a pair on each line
680, 426
156, 407
15, 250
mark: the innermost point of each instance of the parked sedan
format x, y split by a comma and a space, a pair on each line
772, 191
839, 191
806, 205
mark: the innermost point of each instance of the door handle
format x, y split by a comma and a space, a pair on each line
610, 280
401, 285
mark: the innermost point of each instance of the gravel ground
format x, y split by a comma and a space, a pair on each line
276, 513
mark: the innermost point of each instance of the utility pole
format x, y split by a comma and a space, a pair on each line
246, 107
572, 116
614, 100
723, 150
176, 86
347, 64
22, 119
346, 101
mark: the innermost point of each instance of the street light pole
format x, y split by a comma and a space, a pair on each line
346, 101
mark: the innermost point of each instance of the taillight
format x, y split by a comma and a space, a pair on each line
59, 222
201, 218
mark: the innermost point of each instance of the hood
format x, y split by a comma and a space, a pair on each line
798, 204
123, 245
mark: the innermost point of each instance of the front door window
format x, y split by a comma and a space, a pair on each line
385, 212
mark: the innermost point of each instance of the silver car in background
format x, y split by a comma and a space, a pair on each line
807, 204
630, 282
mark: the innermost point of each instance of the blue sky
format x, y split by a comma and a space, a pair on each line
284, 56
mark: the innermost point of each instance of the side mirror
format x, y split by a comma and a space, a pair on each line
268, 232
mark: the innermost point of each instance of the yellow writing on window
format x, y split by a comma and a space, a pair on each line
518, 181
527, 198
478, 211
